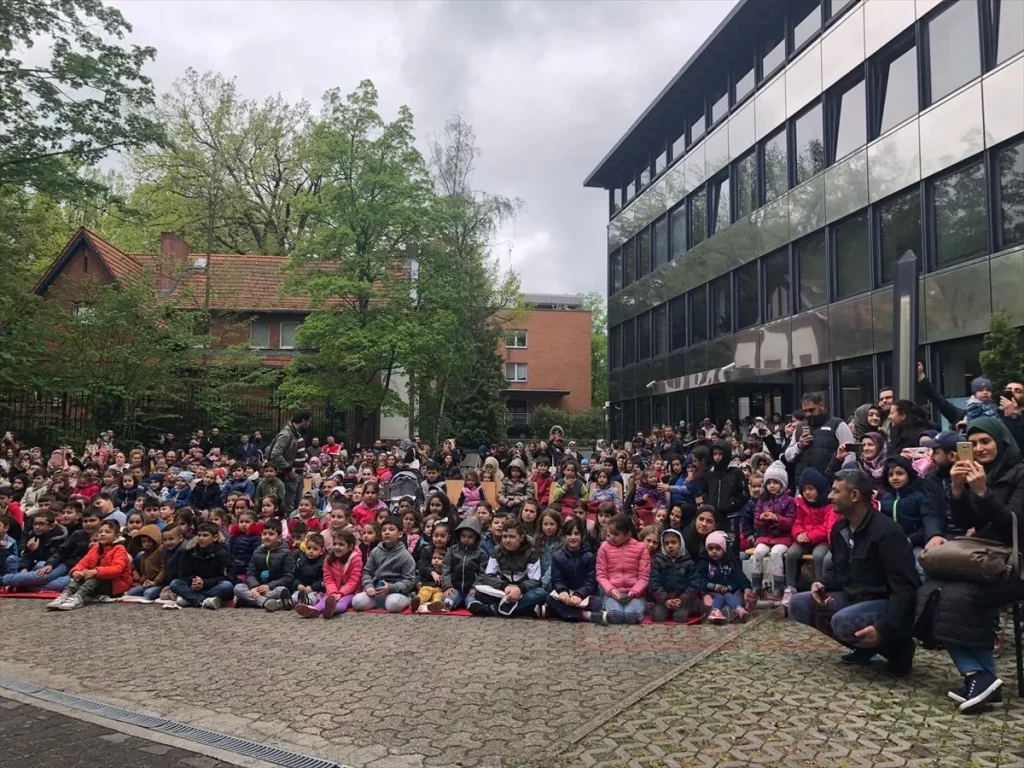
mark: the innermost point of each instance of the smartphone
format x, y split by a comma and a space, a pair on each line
965, 451
853, 447
919, 452
1008, 394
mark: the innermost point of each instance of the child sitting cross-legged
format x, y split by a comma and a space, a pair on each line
431, 579
672, 572
308, 584
574, 577
105, 571
623, 572
343, 568
464, 562
207, 571
148, 565
510, 586
720, 576
389, 574
271, 570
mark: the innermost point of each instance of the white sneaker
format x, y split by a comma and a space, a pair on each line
182, 602
787, 596
211, 603
71, 604
171, 607
54, 605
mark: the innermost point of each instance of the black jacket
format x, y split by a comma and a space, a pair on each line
727, 487
935, 509
49, 545
212, 564
876, 562
671, 576
574, 572
275, 568
727, 572
424, 568
205, 496
71, 550
308, 573
463, 565
520, 568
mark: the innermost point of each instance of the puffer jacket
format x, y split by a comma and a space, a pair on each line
514, 492
626, 568
772, 532
342, 578
205, 496
309, 572
814, 521
212, 564
574, 572
905, 505
513, 569
275, 568
462, 564
242, 545
111, 563
671, 576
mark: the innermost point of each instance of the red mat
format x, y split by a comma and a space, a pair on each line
32, 595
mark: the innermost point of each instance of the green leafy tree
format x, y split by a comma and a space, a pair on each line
1001, 358
595, 304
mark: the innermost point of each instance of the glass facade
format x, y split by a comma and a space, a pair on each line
841, 143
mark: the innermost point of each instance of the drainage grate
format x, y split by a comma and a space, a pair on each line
234, 744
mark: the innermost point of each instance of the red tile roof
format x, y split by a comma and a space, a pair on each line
120, 264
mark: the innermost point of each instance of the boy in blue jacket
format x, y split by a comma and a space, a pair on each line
239, 483
905, 503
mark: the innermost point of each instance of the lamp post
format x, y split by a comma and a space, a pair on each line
904, 326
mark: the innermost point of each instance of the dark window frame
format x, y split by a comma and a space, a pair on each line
644, 319
629, 344
681, 306
761, 51
662, 311
924, 59
792, 48
832, 115
876, 232
734, 184
682, 208
930, 218
690, 218
713, 200
787, 252
727, 281
755, 267
690, 307
762, 163
878, 86
798, 250
792, 161
997, 225
833, 255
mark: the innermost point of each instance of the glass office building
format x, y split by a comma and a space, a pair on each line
759, 205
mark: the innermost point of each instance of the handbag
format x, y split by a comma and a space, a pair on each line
982, 561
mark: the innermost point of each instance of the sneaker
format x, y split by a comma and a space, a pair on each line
303, 598
960, 695
541, 611
435, 607
742, 614
182, 602
286, 602
330, 607
306, 611
477, 608
716, 617
750, 604
71, 604
787, 595
171, 606
858, 658
599, 617
272, 604
414, 604
211, 603
55, 605
979, 689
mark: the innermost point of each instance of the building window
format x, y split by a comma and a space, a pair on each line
773, 50
629, 342
719, 104
515, 339
954, 48
661, 162
847, 121
746, 186
810, 145
660, 246
616, 271
659, 330
899, 220
853, 256
776, 285
84, 310
677, 321
615, 346
515, 372
645, 176
699, 315
643, 256
643, 336
628, 263
289, 330
720, 206
958, 364
259, 334
697, 128
748, 296
1008, 19
838, 6
679, 145
615, 200
895, 89
811, 259
678, 224
1011, 194
630, 190
721, 295
815, 380
806, 17
776, 166
744, 80
698, 217
961, 215
856, 385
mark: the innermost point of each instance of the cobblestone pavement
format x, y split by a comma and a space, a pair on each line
728, 710
36, 737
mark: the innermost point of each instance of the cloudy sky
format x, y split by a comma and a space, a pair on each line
549, 86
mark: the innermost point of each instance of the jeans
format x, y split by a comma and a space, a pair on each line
730, 599
150, 593
777, 554
630, 612
455, 601
11, 564
390, 603
571, 612
793, 555
56, 579
526, 605
243, 595
183, 589
970, 660
290, 502
841, 621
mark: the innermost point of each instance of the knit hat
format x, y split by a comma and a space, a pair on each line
980, 383
716, 537
813, 477
777, 471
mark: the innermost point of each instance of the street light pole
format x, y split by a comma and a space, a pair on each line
904, 326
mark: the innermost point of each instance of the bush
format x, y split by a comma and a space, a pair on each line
581, 426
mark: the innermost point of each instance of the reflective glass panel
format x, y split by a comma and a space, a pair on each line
954, 48
660, 241
1011, 192
628, 262
643, 332
677, 322
746, 186
747, 296
849, 121
815, 380
661, 162
776, 166
807, 21
853, 256
744, 80
897, 82
643, 256
698, 217
677, 219
773, 51
630, 191
699, 315
961, 215
900, 222
810, 144
813, 278
720, 217
856, 385
697, 129
616, 199
629, 342
659, 334
679, 146
616, 346
776, 285
721, 294
719, 105
838, 5
958, 364
617, 271
1009, 15
645, 177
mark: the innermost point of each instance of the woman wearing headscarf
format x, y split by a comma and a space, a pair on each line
867, 418
986, 494
870, 460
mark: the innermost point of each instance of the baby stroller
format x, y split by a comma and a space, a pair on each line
405, 482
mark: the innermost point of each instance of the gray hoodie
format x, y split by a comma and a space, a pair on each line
395, 566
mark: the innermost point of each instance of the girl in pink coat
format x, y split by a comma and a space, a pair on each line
623, 570
343, 568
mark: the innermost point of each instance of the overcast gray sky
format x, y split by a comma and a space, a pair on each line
549, 86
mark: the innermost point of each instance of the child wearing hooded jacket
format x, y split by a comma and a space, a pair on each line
510, 586
903, 501
271, 570
720, 577
464, 562
105, 571
773, 524
811, 529
148, 567
515, 488
672, 574
343, 568
308, 583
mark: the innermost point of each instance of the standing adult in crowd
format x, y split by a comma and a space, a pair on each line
288, 456
907, 422
245, 450
816, 438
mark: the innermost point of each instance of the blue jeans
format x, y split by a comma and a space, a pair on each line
455, 601
222, 589
55, 580
11, 564
970, 660
837, 620
719, 601
570, 612
525, 606
150, 593
630, 612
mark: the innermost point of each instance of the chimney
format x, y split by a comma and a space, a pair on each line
172, 261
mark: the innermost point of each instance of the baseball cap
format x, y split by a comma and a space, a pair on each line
946, 440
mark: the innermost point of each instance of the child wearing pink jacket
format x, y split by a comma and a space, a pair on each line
623, 570
343, 568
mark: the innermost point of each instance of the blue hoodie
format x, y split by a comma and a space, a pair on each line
905, 505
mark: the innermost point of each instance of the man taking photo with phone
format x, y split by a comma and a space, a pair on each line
817, 437
868, 603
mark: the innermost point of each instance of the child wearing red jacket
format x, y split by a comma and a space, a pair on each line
773, 524
105, 571
343, 568
814, 519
